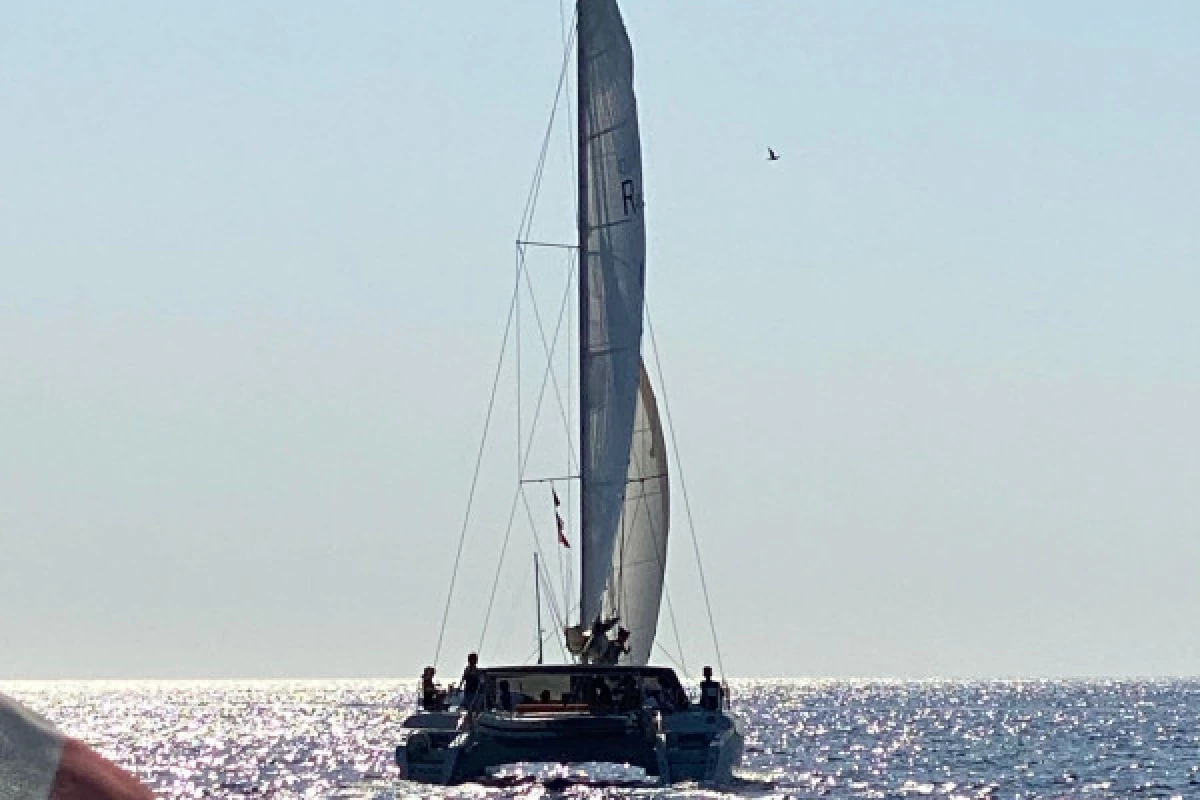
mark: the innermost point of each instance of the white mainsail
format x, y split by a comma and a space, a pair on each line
612, 243
639, 562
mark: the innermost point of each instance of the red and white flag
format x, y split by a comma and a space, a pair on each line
39, 763
562, 537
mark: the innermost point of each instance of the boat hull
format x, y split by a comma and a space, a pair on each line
702, 746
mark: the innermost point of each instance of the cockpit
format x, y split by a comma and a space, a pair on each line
597, 690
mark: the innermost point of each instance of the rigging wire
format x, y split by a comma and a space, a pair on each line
572, 459
548, 375
524, 229
675, 629
541, 558
558, 620
545, 637
660, 557
675, 662
539, 171
487, 421
563, 409
517, 348
487, 617
568, 40
528, 449
507, 631
526, 221
687, 503
565, 562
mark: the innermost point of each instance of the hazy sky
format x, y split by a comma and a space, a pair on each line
934, 374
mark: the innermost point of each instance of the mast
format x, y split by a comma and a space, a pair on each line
581, 146
537, 594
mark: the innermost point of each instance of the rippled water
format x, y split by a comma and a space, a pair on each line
835, 740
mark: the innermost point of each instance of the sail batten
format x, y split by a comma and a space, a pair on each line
612, 243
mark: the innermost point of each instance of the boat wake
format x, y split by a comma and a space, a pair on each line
562, 777
556, 777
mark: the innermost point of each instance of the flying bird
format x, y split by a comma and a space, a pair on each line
772, 155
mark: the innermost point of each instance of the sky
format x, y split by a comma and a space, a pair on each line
933, 375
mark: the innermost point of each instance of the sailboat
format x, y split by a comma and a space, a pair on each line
610, 704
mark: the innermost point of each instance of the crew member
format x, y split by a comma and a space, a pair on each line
470, 680
615, 648
431, 697
710, 692
596, 647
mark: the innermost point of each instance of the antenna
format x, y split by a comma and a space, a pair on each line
537, 595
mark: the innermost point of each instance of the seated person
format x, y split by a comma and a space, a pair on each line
504, 701
432, 698
629, 698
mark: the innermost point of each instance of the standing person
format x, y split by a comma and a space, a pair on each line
595, 649
615, 648
470, 680
710, 692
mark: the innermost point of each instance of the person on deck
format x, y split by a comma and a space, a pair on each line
629, 697
710, 692
432, 698
470, 680
596, 646
616, 648
601, 628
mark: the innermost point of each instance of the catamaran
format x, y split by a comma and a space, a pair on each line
609, 705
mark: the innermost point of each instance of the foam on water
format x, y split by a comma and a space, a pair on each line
835, 740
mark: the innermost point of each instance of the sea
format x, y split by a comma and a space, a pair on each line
335, 739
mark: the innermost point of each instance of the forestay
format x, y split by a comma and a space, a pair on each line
640, 556
613, 248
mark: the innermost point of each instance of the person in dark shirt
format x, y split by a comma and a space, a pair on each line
470, 680
505, 700
710, 692
432, 699
597, 647
615, 648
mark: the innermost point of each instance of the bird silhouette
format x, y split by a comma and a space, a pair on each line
772, 155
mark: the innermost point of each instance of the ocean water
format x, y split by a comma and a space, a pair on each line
829, 740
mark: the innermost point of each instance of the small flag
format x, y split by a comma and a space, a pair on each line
557, 503
562, 537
